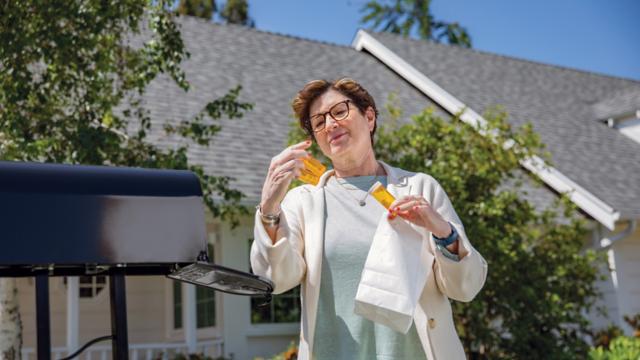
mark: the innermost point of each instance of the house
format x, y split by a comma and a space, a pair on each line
588, 121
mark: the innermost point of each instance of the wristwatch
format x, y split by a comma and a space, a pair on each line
447, 240
269, 220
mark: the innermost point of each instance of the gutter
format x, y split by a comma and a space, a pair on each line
607, 242
585, 200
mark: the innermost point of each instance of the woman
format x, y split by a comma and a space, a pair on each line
319, 236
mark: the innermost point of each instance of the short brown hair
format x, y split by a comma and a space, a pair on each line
316, 88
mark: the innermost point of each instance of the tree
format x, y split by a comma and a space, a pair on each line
199, 8
233, 11
409, 17
539, 283
237, 12
71, 86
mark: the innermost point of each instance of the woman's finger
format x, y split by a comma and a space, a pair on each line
287, 166
408, 202
407, 206
301, 145
283, 176
400, 201
286, 156
295, 150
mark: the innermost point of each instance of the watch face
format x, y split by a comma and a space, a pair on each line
223, 279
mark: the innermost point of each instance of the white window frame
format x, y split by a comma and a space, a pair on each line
213, 235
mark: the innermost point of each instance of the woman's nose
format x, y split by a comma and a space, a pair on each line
330, 122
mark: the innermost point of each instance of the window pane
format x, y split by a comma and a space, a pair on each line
177, 305
260, 314
287, 310
91, 286
212, 254
85, 292
283, 308
206, 307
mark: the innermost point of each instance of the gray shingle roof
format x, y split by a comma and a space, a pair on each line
271, 68
558, 101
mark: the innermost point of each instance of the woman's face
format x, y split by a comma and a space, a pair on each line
347, 139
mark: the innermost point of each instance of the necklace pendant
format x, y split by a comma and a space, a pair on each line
362, 203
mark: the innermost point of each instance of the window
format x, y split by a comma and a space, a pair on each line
205, 307
177, 305
628, 124
90, 286
205, 303
284, 308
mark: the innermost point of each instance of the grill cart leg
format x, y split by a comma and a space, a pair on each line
120, 343
43, 322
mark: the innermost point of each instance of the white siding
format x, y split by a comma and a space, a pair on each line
626, 301
149, 312
145, 311
628, 261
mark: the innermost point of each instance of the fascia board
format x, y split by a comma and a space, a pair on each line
585, 200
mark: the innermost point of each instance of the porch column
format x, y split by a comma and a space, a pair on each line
189, 317
73, 294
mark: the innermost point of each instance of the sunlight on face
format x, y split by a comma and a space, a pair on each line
345, 139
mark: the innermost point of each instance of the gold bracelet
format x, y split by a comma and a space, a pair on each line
269, 220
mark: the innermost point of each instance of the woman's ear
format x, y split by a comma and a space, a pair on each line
370, 115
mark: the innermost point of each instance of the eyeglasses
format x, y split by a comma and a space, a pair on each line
338, 112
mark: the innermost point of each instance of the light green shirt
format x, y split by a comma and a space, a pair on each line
349, 230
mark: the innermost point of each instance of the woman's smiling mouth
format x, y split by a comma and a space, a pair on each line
336, 137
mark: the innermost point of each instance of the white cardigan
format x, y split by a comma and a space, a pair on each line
296, 258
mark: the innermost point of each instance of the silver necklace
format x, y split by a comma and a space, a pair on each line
362, 201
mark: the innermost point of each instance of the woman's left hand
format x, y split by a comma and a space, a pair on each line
417, 210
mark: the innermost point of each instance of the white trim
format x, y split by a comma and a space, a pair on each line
209, 348
589, 203
73, 312
178, 335
189, 316
274, 329
209, 332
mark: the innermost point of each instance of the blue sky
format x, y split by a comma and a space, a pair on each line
594, 35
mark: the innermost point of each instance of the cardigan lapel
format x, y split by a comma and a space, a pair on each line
397, 184
314, 212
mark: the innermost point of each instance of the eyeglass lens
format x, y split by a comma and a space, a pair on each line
338, 112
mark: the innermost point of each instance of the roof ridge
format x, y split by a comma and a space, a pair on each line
507, 57
268, 32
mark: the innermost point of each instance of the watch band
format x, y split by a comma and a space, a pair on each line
269, 219
444, 242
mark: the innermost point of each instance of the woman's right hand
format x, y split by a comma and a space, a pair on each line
283, 168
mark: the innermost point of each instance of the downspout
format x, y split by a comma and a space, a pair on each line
606, 243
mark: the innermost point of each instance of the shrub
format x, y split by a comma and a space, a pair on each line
620, 348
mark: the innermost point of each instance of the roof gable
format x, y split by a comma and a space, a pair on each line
558, 101
271, 69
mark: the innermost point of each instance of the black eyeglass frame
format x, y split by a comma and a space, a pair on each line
324, 116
